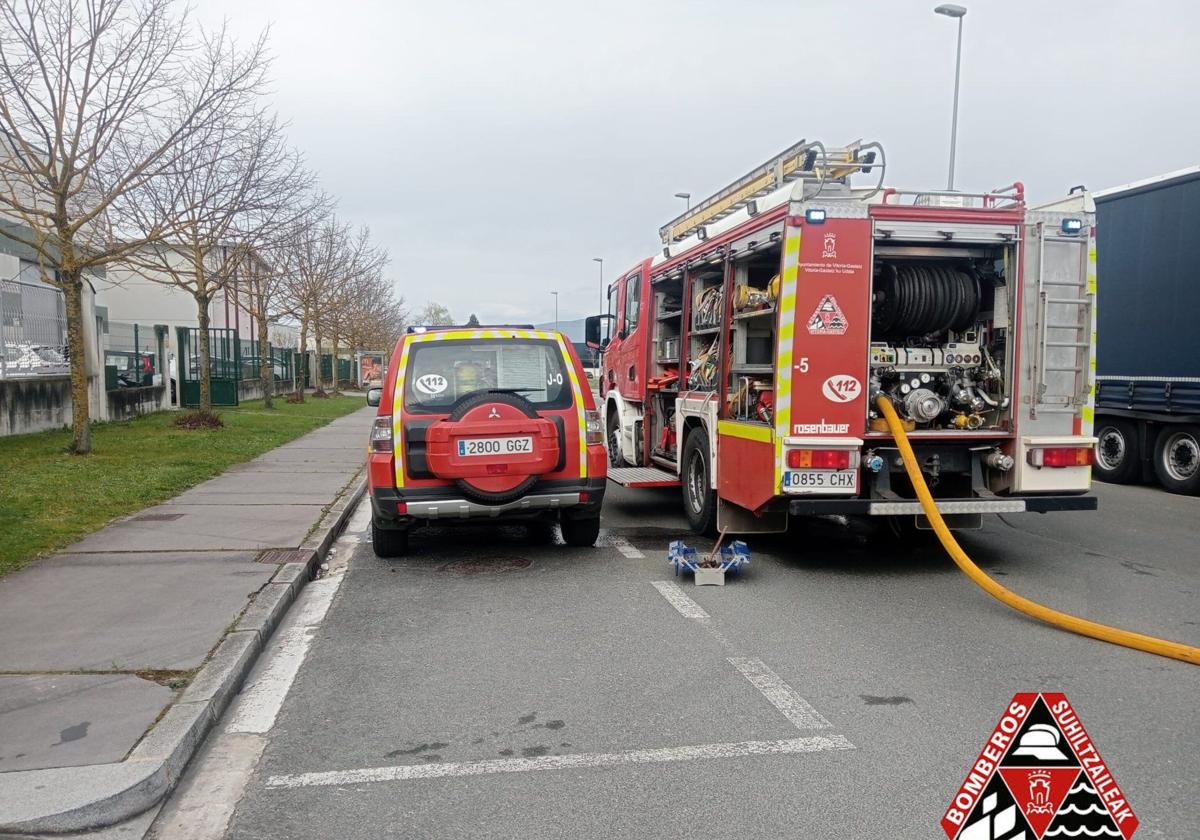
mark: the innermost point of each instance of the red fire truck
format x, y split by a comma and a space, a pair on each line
743, 361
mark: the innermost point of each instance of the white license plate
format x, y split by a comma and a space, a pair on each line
800, 481
495, 446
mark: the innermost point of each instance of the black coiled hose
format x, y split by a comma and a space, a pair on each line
919, 299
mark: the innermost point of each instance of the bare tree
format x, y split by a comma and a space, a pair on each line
362, 265
265, 282
97, 100
241, 185
310, 266
433, 314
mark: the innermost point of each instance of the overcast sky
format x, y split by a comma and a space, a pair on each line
496, 147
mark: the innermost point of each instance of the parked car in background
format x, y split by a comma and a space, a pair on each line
484, 423
134, 370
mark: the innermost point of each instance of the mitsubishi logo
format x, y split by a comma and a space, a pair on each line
493, 414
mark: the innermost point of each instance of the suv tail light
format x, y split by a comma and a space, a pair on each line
1061, 456
595, 430
381, 434
819, 459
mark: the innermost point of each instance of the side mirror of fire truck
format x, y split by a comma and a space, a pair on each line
591, 331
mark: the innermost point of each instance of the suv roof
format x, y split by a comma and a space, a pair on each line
418, 328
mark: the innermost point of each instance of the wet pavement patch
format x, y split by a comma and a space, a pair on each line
895, 700
157, 517
487, 565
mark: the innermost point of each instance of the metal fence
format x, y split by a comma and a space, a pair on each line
33, 330
281, 361
130, 355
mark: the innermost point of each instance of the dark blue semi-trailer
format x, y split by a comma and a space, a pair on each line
1147, 420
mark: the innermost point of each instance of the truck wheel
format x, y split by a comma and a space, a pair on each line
1177, 459
389, 542
1117, 455
580, 533
614, 440
699, 499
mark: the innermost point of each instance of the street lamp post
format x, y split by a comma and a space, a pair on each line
602, 295
687, 197
952, 11
555, 310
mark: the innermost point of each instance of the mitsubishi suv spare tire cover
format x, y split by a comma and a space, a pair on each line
499, 474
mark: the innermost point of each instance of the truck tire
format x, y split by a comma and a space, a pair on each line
580, 533
389, 542
1118, 455
613, 439
1177, 459
699, 498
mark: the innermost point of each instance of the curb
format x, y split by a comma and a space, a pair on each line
71, 799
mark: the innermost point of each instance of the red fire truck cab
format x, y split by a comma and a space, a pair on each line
742, 362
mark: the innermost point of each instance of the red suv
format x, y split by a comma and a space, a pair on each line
484, 423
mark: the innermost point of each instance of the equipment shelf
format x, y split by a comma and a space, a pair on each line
738, 316
760, 369
706, 331
667, 316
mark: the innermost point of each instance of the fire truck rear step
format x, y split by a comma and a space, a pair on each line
642, 477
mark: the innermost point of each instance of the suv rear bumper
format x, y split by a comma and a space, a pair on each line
443, 503
904, 507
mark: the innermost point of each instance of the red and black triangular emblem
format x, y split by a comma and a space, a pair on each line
828, 318
1039, 775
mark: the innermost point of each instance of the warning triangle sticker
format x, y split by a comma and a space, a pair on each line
1039, 792
827, 318
1039, 742
1039, 776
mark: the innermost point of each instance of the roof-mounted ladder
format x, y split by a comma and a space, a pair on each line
807, 160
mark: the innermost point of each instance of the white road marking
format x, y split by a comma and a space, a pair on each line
675, 597
204, 804
779, 694
410, 772
622, 545
261, 700
208, 795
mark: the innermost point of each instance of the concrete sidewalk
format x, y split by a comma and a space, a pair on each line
117, 653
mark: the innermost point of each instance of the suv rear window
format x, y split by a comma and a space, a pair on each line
442, 372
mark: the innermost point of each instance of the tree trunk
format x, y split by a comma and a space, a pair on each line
302, 360
81, 440
267, 367
317, 378
205, 358
335, 363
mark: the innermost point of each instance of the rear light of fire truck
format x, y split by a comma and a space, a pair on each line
819, 459
381, 434
1061, 456
595, 431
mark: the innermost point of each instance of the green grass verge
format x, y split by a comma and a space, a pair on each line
49, 499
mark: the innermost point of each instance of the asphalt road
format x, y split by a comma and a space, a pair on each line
842, 688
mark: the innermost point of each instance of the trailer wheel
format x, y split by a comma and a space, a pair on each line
389, 542
1177, 459
699, 498
614, 439
1117, 451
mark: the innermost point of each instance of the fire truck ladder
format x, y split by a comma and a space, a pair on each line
1063, 350
806, 160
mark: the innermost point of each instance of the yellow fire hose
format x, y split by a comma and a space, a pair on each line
1074, 624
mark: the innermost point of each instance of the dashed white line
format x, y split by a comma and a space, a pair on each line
412, 772
779, 694
675, 597
622, 545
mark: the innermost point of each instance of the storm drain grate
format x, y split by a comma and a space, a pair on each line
157, 517
280, 556
487, 565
